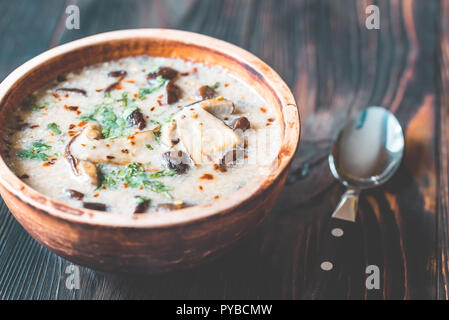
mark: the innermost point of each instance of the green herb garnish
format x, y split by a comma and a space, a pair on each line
216, 85
113, 125
157, 133
149, 146
124, 99
54, 127
140, 200
36, 151
156, 84
135, 176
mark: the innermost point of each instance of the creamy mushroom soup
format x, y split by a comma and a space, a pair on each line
142, 134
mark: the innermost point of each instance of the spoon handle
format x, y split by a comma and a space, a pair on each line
347, 207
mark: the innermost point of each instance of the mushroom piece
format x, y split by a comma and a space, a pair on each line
169, 136
219, 107
165, 72
119, 151
206, 92
205, 137
173, 92
83, 169
241, 123
176, 160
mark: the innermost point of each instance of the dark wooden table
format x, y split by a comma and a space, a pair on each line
335, 66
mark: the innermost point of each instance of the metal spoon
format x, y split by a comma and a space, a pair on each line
366, 153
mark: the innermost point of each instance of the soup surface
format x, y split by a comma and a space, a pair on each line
142, 134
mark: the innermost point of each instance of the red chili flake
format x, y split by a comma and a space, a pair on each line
71, 126
195, 69
125, 185
270, 119
207, 176
96, 195
201, 188
107, 145
135, 95
130, 81
152, 108
263, 109
82, 123
54, 94
216, 197
99, 90
226, 85
72, 133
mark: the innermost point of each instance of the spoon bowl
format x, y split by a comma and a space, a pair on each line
366, 153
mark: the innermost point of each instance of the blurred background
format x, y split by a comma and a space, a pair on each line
335, 65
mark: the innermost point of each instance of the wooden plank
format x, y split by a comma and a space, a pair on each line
26, 29
335, 67
443, 153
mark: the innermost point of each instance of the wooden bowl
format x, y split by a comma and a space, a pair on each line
152, 242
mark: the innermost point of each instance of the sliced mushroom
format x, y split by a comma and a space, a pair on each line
136, 119
206, 92
74, 194
219, 107
165, 72
241, 123
118, 73
88, 171
164, 207
173, 92
205, 137
232, 158
94, 206
169, 136
81, 91
176, 160
142, 206
80, 168
119, 151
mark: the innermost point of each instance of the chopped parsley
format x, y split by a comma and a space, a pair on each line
149, 146
124, 99
157, 132
36, 151
54, 127
156, 84
113, 125
140, 200
135, 176
216, 85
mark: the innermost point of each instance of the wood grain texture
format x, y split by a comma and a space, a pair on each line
335, 66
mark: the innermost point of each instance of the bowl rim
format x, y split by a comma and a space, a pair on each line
225, 204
